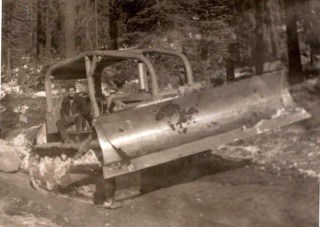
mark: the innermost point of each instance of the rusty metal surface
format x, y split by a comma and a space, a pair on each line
155, 127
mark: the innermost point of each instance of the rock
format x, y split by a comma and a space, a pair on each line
20, 140
9, 159
23, 118
21, 109
24, 164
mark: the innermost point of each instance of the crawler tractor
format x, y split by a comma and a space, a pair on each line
152, 126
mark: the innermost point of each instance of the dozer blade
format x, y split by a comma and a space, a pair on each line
154, 134
208, 143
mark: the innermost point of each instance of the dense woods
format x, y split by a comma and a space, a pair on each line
221, 38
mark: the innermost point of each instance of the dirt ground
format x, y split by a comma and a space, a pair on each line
233, 194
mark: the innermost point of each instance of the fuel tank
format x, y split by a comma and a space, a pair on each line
163, 124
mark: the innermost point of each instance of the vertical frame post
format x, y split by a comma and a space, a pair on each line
90, 67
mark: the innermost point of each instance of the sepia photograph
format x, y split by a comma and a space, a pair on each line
156, 113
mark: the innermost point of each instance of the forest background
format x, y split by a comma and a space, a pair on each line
222, 38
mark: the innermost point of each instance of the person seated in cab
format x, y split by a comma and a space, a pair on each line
73, 110
114, 105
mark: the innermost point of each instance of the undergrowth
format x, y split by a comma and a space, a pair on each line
10, 119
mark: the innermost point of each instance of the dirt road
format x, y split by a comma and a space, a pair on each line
212, 193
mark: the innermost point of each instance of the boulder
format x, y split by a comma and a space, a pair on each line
20, 140
9, 158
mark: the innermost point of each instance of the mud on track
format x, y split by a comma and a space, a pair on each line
213, 192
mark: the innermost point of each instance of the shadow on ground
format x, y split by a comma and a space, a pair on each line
186, 170
177, 172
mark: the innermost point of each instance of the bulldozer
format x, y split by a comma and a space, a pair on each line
152, 126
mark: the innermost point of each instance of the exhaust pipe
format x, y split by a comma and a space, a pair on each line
143, 83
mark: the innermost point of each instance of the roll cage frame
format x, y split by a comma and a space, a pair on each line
92, 60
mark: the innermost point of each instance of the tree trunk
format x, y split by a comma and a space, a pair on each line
96, 24
48, 28
258, 57
35, 39
47, 21
274, 48
230, 69
113, 25
294, 59
69, 27
107, 26
312, 24
97, 81
230, 62
9, 63
39, 31
270, 27
88, 34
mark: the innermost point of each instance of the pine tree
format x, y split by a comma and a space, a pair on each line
259, 47
309, 11
269, 21
21, 31
113, 24
69, 27
294, 55
7, 18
